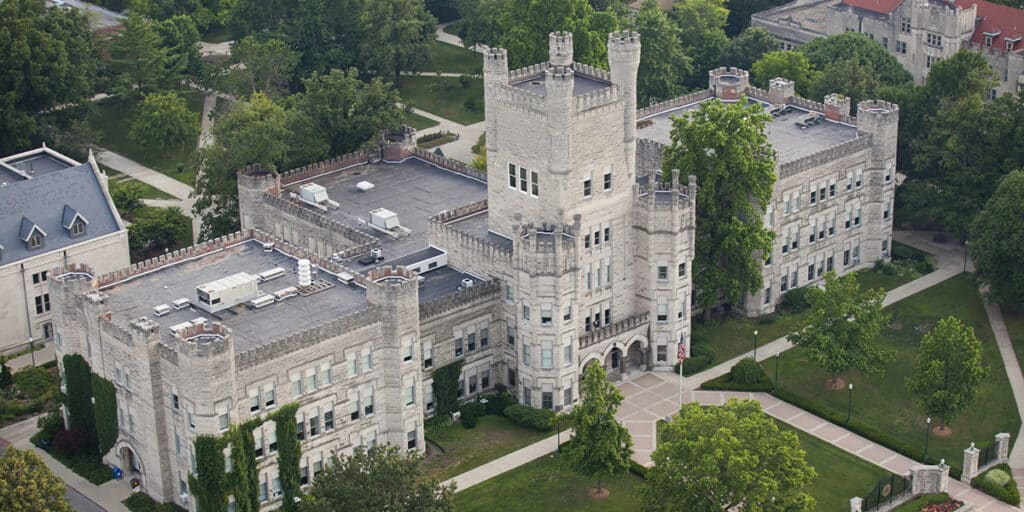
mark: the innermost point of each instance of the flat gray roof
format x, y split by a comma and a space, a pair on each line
789, 140
40, 163
476, 225
413, 189
252, 327
580, 85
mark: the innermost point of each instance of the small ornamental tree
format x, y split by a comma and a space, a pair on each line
843, 328
381, 478
28, 485
947, 371
732, 457
164, 121
600, 446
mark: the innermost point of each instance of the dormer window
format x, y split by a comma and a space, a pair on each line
1009, 46
988, 41
31, 234
35, 241
73, 221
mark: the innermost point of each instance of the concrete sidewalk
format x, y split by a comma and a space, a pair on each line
461, 149
508, 462
144, 174
1013, 373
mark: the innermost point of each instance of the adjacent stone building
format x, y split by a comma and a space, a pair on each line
53, 211
917, 32
354, 279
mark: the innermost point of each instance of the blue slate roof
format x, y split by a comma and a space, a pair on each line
48, 202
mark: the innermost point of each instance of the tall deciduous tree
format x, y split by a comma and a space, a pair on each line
740, 12
725, 146
180, 34
748, 47
49, 60
266, 65
381, 478
947, 370
790, 65
663, 66
600, 446
396, 34
140, 60
843, 328
28, 485
859, 47
162, 228
252, 132
164, 120
997, 241
732, 457
702, 24
850, 77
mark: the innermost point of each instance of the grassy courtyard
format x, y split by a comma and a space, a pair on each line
419, 122
465, 449
841, 476
882, 408
546, 484
445, 97
449, 58
146, 191
113, 121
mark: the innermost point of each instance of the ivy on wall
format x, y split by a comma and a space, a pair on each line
288, 453
105, 395
78, 377
245, 481
208, 484
446, 381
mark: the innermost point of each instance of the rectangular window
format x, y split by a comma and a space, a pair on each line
814, 197
936, 40
662, 353
768, 295
311, 381
263, 492
508, 292
829, 263
523, 179
546, 358
511, 333
526, 355
296, 386
832, 190
329, 420
428, 397
526, 312
586, 188
534, 184
785, 282
512, 175
607, 316
607, 181
428, 354
905, 25
460, 391
682, 270
471, 341
511, 378
545, 314
856, 220
368, 404
410, 394
458, 347
42, 303
368, 361
885, 42
567, 313
810, 272
485, 379
300, 430
527, 398
547, 400
484, 337
859, 179
901, 47
662, 273
472, 384
662, 312
354, 410
223, 422
410, 438
597, 237
314, 426
795, 282
846, 258
567, 395
607, 234
567, 355
586, 241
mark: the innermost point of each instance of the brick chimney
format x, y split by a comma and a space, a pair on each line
837, 107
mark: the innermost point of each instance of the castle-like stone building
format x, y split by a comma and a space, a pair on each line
354, 279
918, 33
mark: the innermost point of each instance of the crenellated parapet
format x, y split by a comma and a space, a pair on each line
358, 242
791, 168
597, 102
635, 324
205, 340
460, 212
728, 83
545, 249
528, 72
592, 72
307, 338
479, 292
674, 103
329, 166
193, 251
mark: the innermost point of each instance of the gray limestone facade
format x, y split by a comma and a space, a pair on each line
918, 33
369, 271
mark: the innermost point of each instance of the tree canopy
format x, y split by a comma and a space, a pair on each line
261, 65
860, 48
997, 242
843, 328
380, 478
702, 37
28, 485
791, 65
396, 34
947, 370
141, 61
600, 446
49, 60
725, 146
159, 228
164, 120
663, 65
732, 457
747, 48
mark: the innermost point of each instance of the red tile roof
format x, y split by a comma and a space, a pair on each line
879, 6
1007, 21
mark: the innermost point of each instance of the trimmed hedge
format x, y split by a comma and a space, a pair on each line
858, 427
470, 412
541, 420
726, 383
746, 372
796, 299
998, 482
497, 402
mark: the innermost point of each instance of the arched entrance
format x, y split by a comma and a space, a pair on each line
131, 464
636, 357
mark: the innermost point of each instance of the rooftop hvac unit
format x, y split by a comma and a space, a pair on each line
346, 277
467, 283
384, 218
268, 246
161, 310
262, 300
284, 293
313, 193
305, 273
364, 186
199, 320
273, 273
226, 292
377, 253
176, 329
181, 303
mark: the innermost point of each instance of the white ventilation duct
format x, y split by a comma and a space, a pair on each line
305, 273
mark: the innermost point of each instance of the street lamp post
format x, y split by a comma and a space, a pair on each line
849, 406
927, 434
965, 255
776, 384
755, 344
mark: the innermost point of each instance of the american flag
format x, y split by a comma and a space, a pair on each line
682, 352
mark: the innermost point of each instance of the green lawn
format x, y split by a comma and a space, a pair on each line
146, 190
113, 120
449, 58
545, 484
419, 122
881, 405
465, 449
454, 27
841, 476
449, 104
733, 336
87, 466
921, 502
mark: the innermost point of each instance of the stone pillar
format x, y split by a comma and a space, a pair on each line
971, 455
929, 479
837, 107
1003, 442
856, 504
